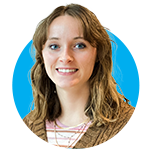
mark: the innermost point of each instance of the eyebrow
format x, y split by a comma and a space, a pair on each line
53, 38
56, 38
79, 37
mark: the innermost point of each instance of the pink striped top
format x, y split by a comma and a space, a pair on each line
65, 137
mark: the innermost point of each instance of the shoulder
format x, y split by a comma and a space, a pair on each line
27, 131
26, 121
22, 133
24, 126
126, 111
129, 124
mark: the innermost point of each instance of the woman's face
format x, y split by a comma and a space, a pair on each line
69, 59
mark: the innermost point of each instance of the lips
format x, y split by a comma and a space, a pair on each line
66, 70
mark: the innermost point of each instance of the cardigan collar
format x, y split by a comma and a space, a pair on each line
39, 128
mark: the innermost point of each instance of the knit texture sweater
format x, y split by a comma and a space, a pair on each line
125, 133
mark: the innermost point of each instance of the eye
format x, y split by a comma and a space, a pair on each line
53, 46
80, 46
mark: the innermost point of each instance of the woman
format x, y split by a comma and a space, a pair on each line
75, 97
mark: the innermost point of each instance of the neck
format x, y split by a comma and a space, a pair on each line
73, 102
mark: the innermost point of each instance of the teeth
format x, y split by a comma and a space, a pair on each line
66, 70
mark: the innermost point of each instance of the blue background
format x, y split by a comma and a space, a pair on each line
126, 59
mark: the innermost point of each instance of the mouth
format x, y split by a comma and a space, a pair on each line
67, 70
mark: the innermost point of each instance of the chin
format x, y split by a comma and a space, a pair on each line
67, 85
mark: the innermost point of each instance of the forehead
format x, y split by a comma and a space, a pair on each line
64, 25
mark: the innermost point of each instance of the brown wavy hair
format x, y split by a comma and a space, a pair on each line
104, 100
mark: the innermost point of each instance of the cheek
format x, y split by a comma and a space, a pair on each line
87, 63
48, 60
89, 59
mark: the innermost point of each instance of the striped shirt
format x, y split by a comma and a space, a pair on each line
64, 137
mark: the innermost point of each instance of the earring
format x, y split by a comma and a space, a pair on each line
55, 91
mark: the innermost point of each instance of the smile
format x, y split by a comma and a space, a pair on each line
66, 70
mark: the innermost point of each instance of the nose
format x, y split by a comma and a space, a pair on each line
66, 56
